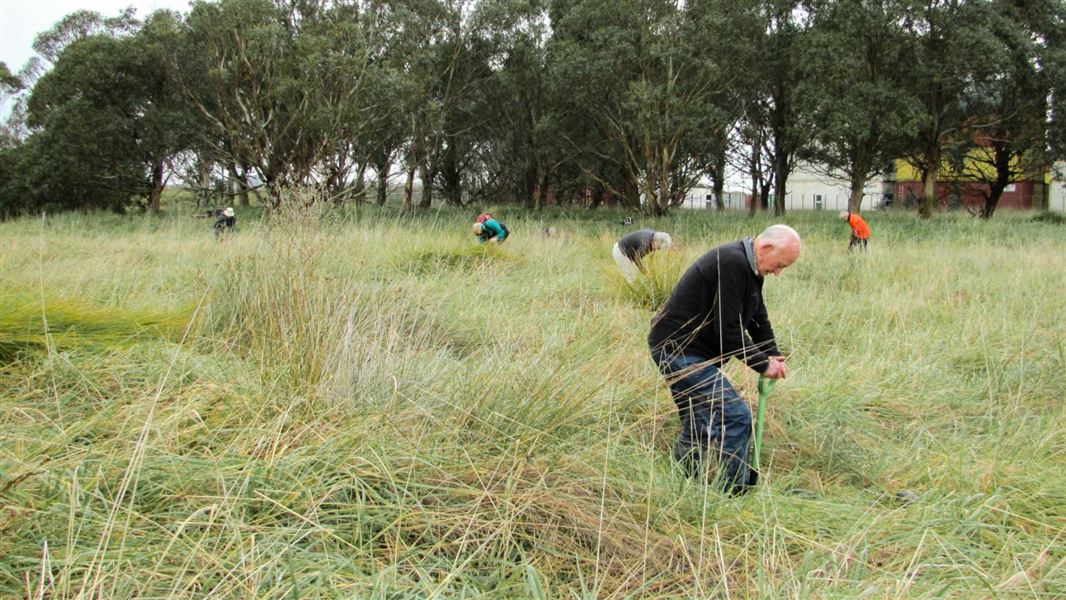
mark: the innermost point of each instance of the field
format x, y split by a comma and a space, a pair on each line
367, 405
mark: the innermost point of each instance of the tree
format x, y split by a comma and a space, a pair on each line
787, 132
641, 74
10, 84
951, 42
105, 120
853, 77
1005, 134
242, 68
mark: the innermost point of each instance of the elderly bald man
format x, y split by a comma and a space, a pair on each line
717, 312
629, 252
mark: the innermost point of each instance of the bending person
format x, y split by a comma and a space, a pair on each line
860, 231
630, 251
491, 230
715, 312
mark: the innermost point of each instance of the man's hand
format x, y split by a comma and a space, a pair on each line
776, 369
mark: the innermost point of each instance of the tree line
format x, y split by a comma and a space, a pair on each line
585, 102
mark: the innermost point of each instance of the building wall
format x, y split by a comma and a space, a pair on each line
1017, 195
808, 189
1057, 188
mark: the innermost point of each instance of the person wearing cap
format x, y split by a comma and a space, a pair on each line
227, 220
491, 230
717, 312
860, 231
630, 251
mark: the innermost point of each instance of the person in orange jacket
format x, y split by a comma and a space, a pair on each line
860, 231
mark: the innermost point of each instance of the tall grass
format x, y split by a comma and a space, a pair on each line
370, 405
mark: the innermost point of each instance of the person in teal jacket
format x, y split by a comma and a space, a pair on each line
491, 230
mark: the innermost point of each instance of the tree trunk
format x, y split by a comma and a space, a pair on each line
718, 178
858, 183
452, 177
538, 186
155, 188
754, 204
1001, 158
995, 192
240, 176
755, 168
383, 183
242, 190
427, 187
929, 177
630, 194
781, 173
408, 188
204, 193
359, 190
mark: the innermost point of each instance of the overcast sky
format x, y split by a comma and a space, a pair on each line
22, 20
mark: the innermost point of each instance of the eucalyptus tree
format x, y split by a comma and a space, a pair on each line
1006, 132
464, 94
1054, 62
341, 47
106, 119
10, 84
416, 34
259, 85
640, 74
511, 151
853, 76
951, 44
772, 131
784, 24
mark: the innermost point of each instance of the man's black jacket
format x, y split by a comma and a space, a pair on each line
714, 309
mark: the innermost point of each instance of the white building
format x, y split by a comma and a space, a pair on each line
703, 198
809, 189
1057, 191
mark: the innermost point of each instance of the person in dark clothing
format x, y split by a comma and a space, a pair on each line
226, 222
629, 251
716, 312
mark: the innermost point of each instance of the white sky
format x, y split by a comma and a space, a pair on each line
22, 20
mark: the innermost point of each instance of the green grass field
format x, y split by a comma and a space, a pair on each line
366, 405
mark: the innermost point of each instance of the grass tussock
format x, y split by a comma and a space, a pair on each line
651, 288
349, 418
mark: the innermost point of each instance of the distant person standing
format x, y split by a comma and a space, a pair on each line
860, 231
630, 251
488, 229
227, 221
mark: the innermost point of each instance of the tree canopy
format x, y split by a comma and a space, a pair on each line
627, 102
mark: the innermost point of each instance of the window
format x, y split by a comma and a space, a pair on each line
819, 204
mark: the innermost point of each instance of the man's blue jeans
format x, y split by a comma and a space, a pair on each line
715, 420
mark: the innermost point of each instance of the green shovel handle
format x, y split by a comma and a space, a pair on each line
765, 385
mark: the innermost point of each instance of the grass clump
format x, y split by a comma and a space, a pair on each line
652, 288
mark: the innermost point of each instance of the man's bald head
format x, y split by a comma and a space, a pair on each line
777, 247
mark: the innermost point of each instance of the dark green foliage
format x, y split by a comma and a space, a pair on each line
854, 74
585, 102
